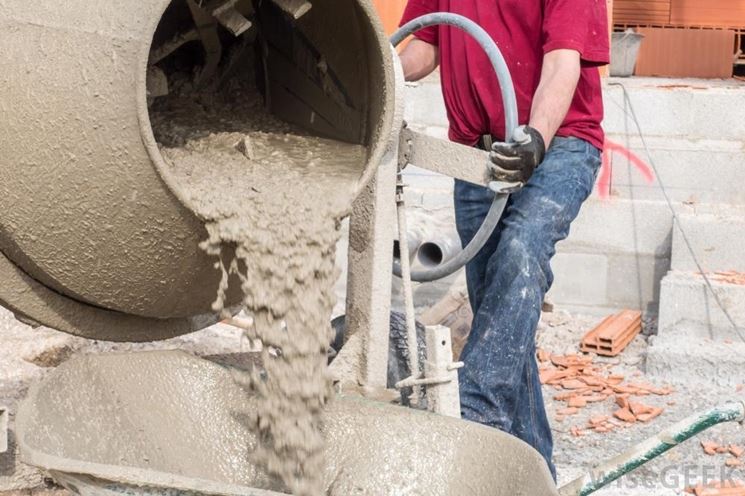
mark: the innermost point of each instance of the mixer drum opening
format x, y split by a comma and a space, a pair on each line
241, 69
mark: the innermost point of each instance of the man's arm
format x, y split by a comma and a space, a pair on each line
419, 59
515, 161
559, 78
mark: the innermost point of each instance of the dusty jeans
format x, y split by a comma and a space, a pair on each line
507, 282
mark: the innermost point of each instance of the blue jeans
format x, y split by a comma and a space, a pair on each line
507, 283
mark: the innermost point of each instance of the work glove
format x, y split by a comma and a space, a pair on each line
515, 161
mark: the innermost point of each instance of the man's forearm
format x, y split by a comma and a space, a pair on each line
419, 59
559, 78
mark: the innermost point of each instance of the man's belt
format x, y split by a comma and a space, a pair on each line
485, 142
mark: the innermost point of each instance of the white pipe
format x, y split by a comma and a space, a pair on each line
434, 253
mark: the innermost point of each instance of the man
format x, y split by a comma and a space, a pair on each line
553, 49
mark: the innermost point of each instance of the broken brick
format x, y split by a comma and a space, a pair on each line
595, 398
598, 420
639, 409
572, 384
710, 447
726, 488
577, 402
547, 376
649, 416
622, 389
568, 411
625, 415
736, 451
592, 380
567, 395
733, 462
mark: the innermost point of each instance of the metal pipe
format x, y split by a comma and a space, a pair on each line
511, 122
404, 262
607, 472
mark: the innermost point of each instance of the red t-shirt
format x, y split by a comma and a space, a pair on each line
524, 30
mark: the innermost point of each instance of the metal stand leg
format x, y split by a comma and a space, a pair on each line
364, 357
442, 397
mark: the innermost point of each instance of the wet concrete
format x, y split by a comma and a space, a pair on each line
140, 417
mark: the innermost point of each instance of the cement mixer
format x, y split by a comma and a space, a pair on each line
100, 240
97, 239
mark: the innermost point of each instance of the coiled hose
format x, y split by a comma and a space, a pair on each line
511, 122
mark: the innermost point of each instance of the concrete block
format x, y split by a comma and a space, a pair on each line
424, 103
601, 283
685, 109
579, 279
687, 305
696, 361
701, 171
715, 240
634, 281
622, 226
676, 108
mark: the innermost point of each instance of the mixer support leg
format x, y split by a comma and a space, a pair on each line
364, 358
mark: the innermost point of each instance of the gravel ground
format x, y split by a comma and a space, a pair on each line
682, 467
26, 354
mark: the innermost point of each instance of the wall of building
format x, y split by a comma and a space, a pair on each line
620, 246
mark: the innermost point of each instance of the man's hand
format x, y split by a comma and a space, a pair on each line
516, 161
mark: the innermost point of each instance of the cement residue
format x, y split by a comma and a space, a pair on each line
277, 195
190, 429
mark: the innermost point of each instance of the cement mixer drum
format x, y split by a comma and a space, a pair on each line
96, 238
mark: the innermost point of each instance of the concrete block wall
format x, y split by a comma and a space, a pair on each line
620, 247
696, 140
693, 326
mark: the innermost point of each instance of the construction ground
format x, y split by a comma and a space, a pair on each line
625, 252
